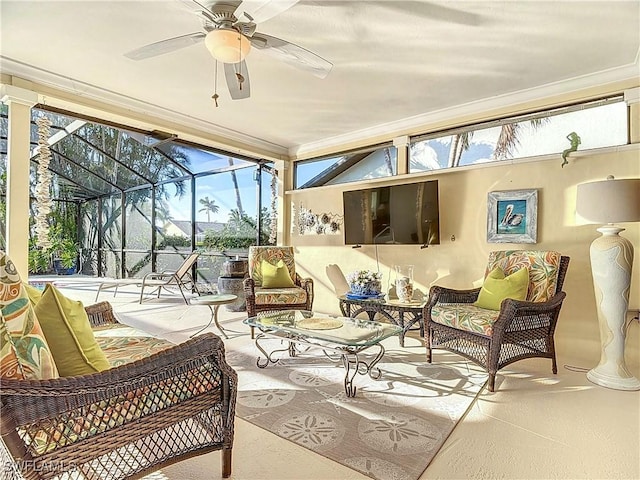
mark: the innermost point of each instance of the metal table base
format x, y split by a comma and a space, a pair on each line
349, 355
213, 302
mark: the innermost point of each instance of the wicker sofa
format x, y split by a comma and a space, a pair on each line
126, 421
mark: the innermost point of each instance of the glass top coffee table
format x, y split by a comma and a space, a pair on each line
340, 338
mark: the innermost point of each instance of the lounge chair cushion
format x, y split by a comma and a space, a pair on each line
68, 332
276, 276
497, 287
122, 344
282, 296
24, 352
465, 316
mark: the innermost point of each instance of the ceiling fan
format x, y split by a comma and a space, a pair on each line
230, 33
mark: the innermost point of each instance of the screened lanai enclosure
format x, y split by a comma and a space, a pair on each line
117, 202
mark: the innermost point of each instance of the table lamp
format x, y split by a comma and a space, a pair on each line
611, 201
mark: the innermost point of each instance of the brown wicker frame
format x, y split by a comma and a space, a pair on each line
253, 309
100, 314
522, 329
127, 421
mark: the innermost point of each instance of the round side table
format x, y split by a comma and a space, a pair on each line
213, 302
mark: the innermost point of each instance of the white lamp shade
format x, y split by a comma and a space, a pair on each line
609, 201
227, 45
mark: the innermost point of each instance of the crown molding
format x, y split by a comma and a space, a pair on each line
563, 87
82, 90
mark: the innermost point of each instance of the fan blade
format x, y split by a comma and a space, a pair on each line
237, 77
292, 54
165, 46
262, 10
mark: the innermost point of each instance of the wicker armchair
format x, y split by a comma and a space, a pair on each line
519, 330
259, 299
123, 422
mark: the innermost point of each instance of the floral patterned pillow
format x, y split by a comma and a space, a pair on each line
543, 269
24, 353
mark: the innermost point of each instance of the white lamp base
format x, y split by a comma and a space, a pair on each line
611, 261
602, 376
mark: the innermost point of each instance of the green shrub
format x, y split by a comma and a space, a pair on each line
39, 261
174, 241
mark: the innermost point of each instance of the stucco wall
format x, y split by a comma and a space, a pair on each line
463, 214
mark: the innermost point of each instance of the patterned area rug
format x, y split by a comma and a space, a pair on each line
391, 429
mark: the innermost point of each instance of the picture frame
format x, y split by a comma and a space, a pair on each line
512, 216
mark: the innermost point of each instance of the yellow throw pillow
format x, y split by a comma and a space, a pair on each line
68, 332
497, 287
275, 276
34, 293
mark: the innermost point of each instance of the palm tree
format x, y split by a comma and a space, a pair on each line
508, 139
235, 186
387, 160
208, 206
459, 143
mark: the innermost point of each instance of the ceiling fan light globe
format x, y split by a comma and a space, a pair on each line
227, 45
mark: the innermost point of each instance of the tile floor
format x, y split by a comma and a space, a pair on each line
535, 426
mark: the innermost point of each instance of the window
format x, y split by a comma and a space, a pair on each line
373, 162
601, 123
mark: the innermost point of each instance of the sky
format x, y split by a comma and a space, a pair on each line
220, 188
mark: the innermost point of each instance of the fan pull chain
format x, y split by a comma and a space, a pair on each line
238, 73
215, 86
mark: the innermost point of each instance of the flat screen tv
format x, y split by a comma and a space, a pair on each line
397, 214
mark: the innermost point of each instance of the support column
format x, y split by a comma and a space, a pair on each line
285, 182
632, 98
402, 148
19, 102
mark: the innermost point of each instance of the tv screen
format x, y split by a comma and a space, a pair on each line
397, 214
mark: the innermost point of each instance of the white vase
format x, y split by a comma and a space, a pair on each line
404, 283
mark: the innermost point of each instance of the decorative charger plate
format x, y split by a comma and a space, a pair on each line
355, 296
320, 323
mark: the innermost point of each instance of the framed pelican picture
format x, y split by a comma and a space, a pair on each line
512, 216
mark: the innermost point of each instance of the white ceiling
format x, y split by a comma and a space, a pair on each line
395, 62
